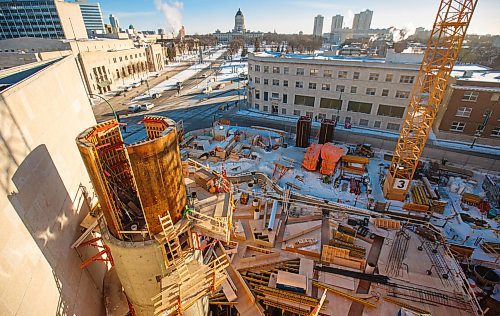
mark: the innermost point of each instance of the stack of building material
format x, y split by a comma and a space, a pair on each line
330, 155
354, 250
419, 196
335, 255
311, 157
354, 164
471, 199
387, 223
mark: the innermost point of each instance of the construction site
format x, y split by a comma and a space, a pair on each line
250, 221
258, 221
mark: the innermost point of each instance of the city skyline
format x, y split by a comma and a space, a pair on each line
203, 16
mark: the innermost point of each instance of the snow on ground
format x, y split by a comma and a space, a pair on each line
456, 230
171, 83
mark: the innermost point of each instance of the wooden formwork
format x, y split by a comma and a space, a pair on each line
387, 223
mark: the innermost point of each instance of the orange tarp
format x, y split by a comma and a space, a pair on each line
330, 155
311, 158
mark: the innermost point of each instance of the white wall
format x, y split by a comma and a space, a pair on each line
41, 206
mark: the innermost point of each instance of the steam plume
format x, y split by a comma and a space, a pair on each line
172, 12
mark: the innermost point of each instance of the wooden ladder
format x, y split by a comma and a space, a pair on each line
172, 242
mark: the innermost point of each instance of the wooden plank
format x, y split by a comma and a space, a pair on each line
306, 231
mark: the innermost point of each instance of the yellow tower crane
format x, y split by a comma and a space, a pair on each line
444, 43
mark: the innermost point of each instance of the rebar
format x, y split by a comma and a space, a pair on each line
398, 253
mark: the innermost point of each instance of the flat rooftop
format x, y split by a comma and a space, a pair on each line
12, 76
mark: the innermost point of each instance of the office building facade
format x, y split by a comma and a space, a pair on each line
362, 21
318, 25
92, 17
337, 22
43, 19
115, 23
369, 93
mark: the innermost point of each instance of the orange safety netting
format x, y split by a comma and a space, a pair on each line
311, 158
330, 155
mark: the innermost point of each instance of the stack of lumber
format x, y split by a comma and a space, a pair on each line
387, 223
354, 250
343, 237
335, 255
471, 199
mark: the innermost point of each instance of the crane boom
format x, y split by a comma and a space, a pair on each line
447, 35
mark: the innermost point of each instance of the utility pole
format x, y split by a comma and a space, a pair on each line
480, 128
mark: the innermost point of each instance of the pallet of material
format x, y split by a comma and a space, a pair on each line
386, 223
347, 230
419, 196
429, 189
343, 237
354, 250
354, 170
438, 206
412, 207
341, 257
471, 199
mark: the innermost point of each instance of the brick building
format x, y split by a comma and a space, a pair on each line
471, 108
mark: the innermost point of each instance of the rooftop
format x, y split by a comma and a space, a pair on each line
12, 76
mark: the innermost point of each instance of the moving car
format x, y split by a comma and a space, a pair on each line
134, 108
147, 106
127, 89
156, 95
137, 84
156, 75
207, 90
220, 86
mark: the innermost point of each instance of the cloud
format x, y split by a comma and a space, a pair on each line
172, 13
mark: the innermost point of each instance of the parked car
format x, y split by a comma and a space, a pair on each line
207, 90
156, 95
220, 86
156, 75
204, 75
134, 108
147, 106
243, 76
127, 89
137, 84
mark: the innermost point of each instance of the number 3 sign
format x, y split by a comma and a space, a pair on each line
401, 184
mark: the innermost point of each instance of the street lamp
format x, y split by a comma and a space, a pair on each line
147, 85
113, 110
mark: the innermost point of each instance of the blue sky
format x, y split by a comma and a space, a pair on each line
286, 16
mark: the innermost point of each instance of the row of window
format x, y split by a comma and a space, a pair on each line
460, 127
339, 88
361, 122
473, 95
335, 104
126, 57
328, 73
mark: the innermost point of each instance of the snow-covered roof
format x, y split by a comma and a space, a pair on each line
318, 56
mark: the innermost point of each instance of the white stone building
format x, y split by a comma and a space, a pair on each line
367, 92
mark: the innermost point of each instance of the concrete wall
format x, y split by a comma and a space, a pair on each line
41, 205
71, 20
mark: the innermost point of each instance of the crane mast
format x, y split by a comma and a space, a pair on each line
447, 35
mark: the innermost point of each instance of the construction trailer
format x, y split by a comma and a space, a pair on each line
151, 235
